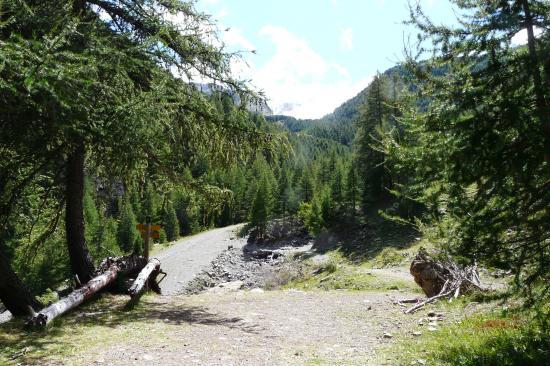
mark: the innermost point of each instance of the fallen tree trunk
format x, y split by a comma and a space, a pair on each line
108, 272
147, 275
439, 279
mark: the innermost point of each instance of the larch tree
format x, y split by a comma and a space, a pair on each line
370, 161
92, 85
259, 213
477, 140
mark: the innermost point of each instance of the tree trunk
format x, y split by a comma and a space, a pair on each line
81, 262
13, 293
122, 265
148, 273
540, 100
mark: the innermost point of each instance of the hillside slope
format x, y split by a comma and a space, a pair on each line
340, 124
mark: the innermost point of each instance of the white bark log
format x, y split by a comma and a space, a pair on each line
139, 284
110, 269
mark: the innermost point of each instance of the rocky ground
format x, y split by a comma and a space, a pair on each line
253, 266
241, 327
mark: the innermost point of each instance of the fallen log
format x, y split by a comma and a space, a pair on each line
147, 275
105, 275
440, 279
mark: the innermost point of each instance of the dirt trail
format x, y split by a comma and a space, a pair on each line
189, 256
252, 328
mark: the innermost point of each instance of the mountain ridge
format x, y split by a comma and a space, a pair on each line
338, 125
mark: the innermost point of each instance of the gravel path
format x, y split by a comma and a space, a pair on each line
249, 328
189, 256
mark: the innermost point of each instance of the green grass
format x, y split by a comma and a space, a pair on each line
388, 257
503, 338
338, 273
93, 326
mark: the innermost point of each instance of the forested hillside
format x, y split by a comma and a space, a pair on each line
341, 124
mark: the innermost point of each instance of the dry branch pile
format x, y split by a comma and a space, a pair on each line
107, 273
442, 279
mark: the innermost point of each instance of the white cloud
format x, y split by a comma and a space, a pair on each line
346, 38
233, 37
520, 38
300, 82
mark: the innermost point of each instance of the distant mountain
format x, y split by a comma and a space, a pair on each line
255, 106
338, 125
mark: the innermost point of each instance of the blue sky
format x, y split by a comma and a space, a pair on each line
312, 55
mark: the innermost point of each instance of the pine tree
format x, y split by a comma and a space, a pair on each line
352, 190
127, 234
336, 189
370, 162
150, 205
327, 207
260, 208
283, 192
170, 221
91, 219
108, 238
476, 151
306, 187
182, 201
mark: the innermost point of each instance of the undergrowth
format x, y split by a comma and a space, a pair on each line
499, 338
336, 272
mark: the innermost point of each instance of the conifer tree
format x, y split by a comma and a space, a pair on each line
352, 190
283, 192
181, 204
306, 187
478, 148
370, 161
127, 234
91, 219
170, 221
259, 213
336, 188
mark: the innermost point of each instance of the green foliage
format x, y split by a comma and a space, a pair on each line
170, 221
127, 234
306, 187
352, 190
163, 238
92, 226
476, 136
260, 207
373, 121
182, 204
108, 239
388, 257
504, 339
311, 215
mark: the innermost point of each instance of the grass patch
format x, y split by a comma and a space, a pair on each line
93, 326
503, 338
338, 273
348, 278
388, 257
